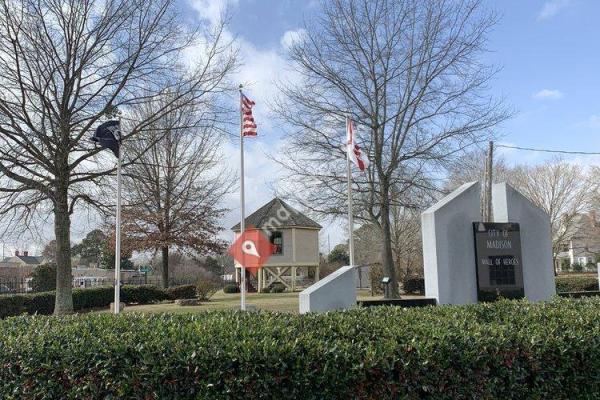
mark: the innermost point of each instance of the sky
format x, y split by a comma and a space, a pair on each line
548, 51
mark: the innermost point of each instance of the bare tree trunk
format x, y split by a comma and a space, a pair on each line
64, 280
165, 266
387, 256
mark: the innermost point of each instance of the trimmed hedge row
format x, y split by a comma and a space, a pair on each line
85, 299
501, 350
576, 283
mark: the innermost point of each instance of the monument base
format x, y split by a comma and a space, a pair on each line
407, 303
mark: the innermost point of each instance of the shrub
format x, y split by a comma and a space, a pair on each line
83, 299
376, 275
414, 285
576, 283
591, 266
11, 305
231, 288
100, 297
501, 350
142, 294
181, 292
43, 278
277, 287
206, 288
40, 303
577, 267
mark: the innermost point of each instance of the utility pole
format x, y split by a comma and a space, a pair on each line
489, 167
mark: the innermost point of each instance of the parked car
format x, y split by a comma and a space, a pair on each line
5, 289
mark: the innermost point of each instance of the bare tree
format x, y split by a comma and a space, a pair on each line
593, 183
174, 189
63, 66
470, 167
560, 189
408, 73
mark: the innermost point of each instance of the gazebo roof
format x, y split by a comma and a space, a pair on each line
267, 214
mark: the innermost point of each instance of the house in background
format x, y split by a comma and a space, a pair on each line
295, 240
22, 260
583, 246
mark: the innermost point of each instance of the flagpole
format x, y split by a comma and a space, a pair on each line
350, 207
117, 302
242, 205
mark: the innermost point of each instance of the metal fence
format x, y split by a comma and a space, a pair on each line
20, 285
15, 285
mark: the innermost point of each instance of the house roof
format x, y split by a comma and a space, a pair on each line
270, 215
29, 260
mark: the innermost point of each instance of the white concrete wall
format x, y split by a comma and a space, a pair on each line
536, 239
449, 247
335, 291
307, 246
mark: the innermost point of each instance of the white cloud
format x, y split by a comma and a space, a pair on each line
548, 94
593, 122
290, 37
260, 70
212, 10
551, 8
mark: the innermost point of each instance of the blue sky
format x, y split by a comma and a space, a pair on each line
548, 50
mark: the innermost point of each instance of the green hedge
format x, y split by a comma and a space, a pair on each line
142, 294
83, 299
501, 350
11, 305
576, 283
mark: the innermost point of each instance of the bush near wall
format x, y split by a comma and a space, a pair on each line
414, 285
576, 283
501, 350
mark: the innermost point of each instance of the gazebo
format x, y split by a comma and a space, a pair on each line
295, 240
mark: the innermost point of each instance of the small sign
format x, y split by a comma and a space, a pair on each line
499, 266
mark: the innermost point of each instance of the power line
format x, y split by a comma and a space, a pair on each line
587, 153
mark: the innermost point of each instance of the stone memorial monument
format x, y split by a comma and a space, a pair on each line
466, 260
335, 292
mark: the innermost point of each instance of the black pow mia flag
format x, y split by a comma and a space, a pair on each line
108, 135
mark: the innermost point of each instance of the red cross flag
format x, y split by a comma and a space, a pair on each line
355, 154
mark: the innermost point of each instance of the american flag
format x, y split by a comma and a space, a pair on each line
248, 124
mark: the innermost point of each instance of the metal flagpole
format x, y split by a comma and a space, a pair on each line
242, 205
350, 208
117, 303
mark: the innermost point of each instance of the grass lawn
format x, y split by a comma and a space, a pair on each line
284, 302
